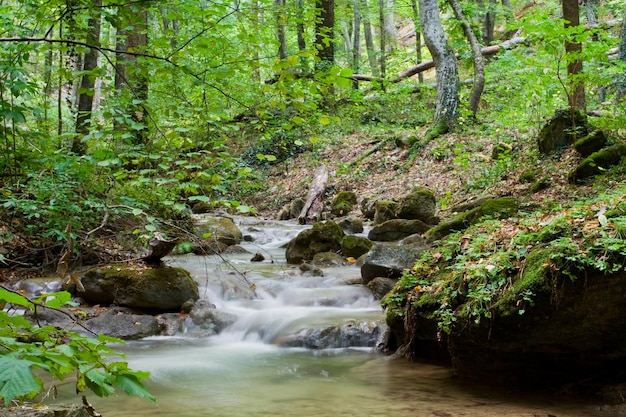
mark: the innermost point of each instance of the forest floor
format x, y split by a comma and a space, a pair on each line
457, 168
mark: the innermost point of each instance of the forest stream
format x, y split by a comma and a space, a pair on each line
245, 370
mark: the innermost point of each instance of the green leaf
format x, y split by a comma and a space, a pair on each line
324, 120
130, 384
15, 299
55, 299
202, 198
17, 379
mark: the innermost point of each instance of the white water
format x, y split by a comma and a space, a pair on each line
243, 371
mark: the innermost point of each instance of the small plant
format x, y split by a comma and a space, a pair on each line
26, 348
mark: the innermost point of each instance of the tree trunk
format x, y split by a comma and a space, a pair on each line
280, 29
418, 37
576, 94
383, 37
86, 93
489, 22
390, 25
131, 42
356, 42
369, 39
325, 33
445, 62
479, 65
622, 42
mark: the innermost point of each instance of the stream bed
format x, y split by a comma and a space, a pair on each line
246, 370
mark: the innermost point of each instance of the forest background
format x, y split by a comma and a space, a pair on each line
116, 118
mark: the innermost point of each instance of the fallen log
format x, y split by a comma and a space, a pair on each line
314, 204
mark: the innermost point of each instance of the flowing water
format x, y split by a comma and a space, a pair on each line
246, 370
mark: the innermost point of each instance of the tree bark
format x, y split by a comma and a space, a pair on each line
369, 40
622, 43
314, 204
383, 38
418, 37
280, 29
576, 94
325, 33
444, 59
86, 93
356, 41
489, 22
479, 65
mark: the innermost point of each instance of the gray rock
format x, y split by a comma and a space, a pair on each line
120, 323
388, 261
396, 229
381, 286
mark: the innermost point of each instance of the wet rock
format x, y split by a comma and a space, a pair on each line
322, 237
351, 224
328, 259
170, 324
343, 203
121, 323
291, 210
381, 286
355, 246
352, 334
257, 258
419, 204
205, 315
396, 229
388, 261
217, 233
53, 410
154, 289
312, 270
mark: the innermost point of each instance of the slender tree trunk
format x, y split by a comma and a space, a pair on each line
87, 92
576, 94
356, 43
280, 29
347, 39
479, 65
435, 38
383, 38
418, 37
622, 39
390, 25
325, 33
369, 39
489, 21
300, 26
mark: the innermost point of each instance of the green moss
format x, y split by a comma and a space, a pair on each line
343, 203
530, 175
355, 246
532, 281
595, 163
540, 185
497, 207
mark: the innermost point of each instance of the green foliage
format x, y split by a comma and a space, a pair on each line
490, 269
26, 349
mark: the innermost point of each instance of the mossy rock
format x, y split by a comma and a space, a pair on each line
322, 237
155, 289
343, 203
561, 130
328, 259
355, 246
420, 204
591, 143
595, 163
384, 210
501, 150
396, 229
217, 233
541, 184
352, 224
530, 175
496, 207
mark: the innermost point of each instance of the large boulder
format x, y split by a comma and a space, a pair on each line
384, 210
388, 261
559, 131
419, 204
155, 289
322, 237
217, 233
396, 229
597, 162
355, 246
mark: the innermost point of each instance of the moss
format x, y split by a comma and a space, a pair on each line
497, 207
540, 185
355, 246
595, 163
530, 175
533, 280
590, 143
343, 203
419, 204
385, 210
